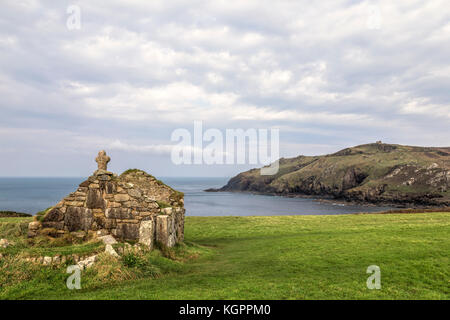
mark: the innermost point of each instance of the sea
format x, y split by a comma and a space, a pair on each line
31, 195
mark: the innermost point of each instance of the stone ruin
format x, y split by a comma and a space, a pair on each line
133, 206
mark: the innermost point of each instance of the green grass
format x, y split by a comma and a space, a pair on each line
282, 257
14, 228
10, 214
4, 220
162, 204
41, 214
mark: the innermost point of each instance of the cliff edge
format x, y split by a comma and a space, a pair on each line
371, 173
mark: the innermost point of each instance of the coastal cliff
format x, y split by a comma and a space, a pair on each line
372, 173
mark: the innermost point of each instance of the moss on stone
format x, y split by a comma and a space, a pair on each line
177, 195
131, 171
41, 214
162, 204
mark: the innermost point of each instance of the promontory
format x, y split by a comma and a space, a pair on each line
371, 173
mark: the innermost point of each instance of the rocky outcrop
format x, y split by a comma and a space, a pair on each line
132, 206
372, 173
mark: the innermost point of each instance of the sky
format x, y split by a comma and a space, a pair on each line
77, 77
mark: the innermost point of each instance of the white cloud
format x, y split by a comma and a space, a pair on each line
136, 70
422, 106
150, 149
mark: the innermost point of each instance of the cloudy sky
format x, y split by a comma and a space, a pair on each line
329, 75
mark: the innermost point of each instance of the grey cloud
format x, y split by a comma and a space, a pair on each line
138, 70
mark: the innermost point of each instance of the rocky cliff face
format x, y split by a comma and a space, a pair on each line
133, 206
375, 173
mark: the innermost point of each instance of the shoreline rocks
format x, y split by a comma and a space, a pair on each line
378, 173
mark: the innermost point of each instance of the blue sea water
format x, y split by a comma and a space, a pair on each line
32, 195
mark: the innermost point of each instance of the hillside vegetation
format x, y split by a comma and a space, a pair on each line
376, 173
12, 214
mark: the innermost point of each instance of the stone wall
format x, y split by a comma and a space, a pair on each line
133, 206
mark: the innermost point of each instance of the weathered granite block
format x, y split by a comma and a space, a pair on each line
78, 218
179, 220
53, 215
110, 188
110, 223
121, 197
118, 213
165, 231
56, 225
147, 233
94, 199
100, 221
127, 231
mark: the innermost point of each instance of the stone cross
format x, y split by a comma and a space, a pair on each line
102, 160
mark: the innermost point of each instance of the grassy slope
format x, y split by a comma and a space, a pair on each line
374, 163
298, 257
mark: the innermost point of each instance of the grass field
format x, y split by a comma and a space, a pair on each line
282, 257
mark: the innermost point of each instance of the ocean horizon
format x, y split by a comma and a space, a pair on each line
34, 194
